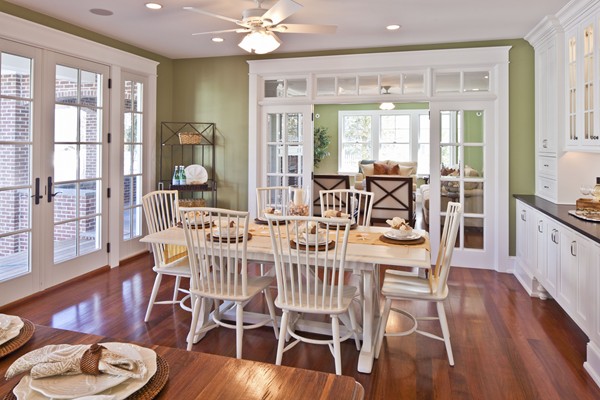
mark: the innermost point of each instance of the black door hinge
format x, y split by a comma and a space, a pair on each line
108, 247
108, 192
109, 83
109, 137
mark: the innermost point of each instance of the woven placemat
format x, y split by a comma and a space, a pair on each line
147, 392
234, 239
384, 239
193, 226
18, 341
333, 226
301, 246
259, 221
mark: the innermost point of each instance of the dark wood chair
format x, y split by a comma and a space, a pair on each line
392, 197
326, 182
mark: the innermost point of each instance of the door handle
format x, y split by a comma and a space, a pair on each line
50, 194
36, 194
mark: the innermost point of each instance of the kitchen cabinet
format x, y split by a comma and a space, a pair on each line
526, 245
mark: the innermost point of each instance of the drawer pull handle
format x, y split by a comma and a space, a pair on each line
546, 165
546, 187
573, 247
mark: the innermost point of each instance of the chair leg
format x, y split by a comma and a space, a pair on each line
153, 296
176, 288
271, 306
282, 334
445, 331
384, 318
337, 353
239, 328
196, 307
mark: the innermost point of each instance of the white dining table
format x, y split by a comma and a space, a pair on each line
361, 258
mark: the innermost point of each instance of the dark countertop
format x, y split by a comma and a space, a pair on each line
560, 212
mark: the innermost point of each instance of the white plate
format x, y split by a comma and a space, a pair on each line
195, 175
312, 241
394, 236
218, 233
14, 328
72, 386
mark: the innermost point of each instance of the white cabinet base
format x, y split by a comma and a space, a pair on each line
592, 364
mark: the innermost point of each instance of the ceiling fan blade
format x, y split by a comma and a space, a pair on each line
304, 28
237, 30
200, 11
281, 10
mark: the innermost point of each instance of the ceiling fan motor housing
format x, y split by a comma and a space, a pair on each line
253, 16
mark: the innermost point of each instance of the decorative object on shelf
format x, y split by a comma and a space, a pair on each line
196, 175
322, 140
190, 138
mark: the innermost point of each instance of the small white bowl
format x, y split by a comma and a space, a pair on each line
401, 233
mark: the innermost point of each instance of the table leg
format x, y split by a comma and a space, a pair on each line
370, 322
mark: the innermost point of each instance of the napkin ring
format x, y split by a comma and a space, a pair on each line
91, 359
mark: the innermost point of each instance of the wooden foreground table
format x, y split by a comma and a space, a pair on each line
196, 375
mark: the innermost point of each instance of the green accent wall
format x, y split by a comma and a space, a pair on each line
216, 90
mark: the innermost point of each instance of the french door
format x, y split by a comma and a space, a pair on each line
284, 148
52, 189
463, 170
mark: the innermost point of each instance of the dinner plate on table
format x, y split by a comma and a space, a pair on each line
13, 326
323, 239
74, 386
394, 236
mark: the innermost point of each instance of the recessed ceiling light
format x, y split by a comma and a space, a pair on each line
218, 40
153, 6
101, 11
392, 27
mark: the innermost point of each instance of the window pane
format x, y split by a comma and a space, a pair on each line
447, 82
390, 84
89, 198
89, 158
395, 128
394, 152
66, 85
473, 156
368, 85
65, 246
424, 129
14, 214
14, 257
15, 124
65, 162
357, 129
294, 127
90, 124
91, 89
89, 232
274, 88
296, 88
473, 130
16, 76
275, 162
15, 164
449, 126
65, 123
449, 156
274, 127
352, 153
413, 83
476, 81
294, 159
326, 86
64, 202
347, 86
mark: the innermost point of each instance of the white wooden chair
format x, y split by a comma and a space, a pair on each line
310, 279
356, 203
326, 182
161, 212
434, 288
216, 242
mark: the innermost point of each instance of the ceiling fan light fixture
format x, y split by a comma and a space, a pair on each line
387, 106
260, 42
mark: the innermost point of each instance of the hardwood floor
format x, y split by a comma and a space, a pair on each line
506, 344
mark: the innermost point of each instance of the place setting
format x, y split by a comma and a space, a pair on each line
311, 237
401, 233
105, 371
341, 215
227, 232
193, 220
14, 333
262, 219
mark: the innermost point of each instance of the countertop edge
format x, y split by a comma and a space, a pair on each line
560, 213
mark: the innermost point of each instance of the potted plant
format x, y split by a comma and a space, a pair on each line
321, 143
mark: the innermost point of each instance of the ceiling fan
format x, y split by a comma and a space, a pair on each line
260, 25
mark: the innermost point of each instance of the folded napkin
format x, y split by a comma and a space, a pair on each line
64, 359
10, 326
5, 322
335, 214
399, 223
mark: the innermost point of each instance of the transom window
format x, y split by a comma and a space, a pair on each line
401, 135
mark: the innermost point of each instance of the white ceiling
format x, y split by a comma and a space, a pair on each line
361, 23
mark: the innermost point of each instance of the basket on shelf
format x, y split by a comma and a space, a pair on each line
192, 203
189, 138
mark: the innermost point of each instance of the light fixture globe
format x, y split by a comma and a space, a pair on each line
260, 42
387, 106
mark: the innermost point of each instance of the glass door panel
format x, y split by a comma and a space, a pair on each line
16, 183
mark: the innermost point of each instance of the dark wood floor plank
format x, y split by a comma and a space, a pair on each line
506, 344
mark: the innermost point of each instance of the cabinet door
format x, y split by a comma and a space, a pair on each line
540, 246
552, 257
526, 237
546, 100
573, 277
571, 91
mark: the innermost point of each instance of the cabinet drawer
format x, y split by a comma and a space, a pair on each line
547, 166
546, 188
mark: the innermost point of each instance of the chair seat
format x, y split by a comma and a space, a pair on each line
348, 294
410, 287
180, 267
255, 285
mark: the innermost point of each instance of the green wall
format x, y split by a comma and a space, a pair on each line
216, 90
